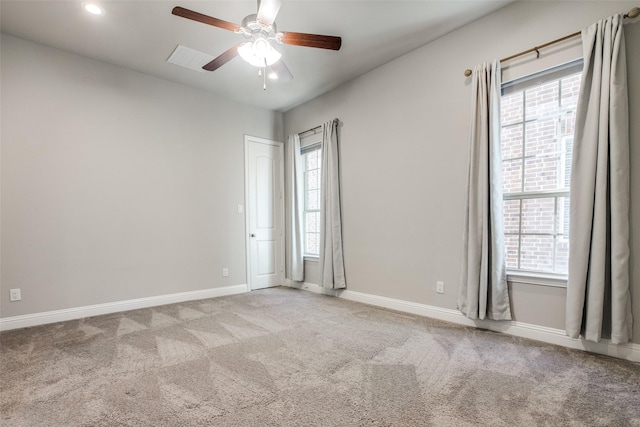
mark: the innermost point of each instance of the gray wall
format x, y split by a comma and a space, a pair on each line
115, 184
404, 153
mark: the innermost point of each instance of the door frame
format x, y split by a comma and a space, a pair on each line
248, 139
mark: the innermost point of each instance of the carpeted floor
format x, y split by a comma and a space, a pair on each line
283, 357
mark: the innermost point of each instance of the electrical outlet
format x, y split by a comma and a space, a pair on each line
225, 272
14, 295
440, 287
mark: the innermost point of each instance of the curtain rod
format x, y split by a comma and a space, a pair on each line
336, 120
633, 13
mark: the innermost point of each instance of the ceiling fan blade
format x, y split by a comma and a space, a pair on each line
311, 40
282, 71
268, 10
222, 59
205, 19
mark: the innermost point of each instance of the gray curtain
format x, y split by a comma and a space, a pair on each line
598, 299
295, 210
331, 259
483, 290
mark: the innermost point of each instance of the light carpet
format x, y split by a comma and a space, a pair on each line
284, 357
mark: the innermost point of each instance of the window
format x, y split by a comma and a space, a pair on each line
312, 158
537, 123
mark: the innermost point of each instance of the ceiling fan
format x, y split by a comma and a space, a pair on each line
259, 30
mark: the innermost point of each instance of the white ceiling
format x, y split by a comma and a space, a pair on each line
141, 35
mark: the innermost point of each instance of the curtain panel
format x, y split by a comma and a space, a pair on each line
598, 296
331, 257
483, 290
295, 210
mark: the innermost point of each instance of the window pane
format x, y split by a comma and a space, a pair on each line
567, 124
312, 160
541, 138
542, 100
570, 90
562, 254
313, 183
511, 108
562, 217
537, 215
512, 176
536, 253
511, 216
312, 244
511, 142
511, 251
541, 173
313, 200
312, 222
566, 156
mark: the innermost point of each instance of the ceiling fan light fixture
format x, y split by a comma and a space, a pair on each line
259, 53
261, 48
93, 8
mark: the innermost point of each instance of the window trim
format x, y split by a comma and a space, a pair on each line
539, 77
537, 278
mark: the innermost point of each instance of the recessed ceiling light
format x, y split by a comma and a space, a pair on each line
93, 8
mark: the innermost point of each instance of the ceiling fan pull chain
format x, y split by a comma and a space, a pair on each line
264, 79
264, 75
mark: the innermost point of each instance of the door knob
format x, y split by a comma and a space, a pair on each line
253, 235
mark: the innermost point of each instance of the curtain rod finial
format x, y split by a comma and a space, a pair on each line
467, 73
633, 13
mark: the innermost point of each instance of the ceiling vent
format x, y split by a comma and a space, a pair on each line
189, 58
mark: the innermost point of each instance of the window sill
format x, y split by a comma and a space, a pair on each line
312, 258
539, 279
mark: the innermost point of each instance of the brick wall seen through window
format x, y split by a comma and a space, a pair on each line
537, 124
312, 165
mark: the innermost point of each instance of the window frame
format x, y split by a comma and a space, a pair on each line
533, 277
308, 144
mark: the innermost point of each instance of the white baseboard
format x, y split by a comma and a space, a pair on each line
47, 317
629, 352
526, 330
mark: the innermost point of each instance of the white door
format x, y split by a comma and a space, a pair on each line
264, 189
